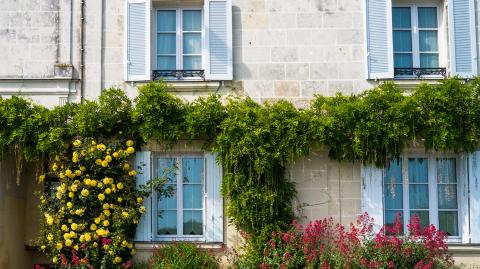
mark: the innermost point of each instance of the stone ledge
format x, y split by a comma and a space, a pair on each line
464, 248
154, 246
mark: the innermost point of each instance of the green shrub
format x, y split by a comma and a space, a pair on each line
183, 256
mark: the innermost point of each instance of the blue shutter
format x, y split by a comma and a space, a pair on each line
214, 200
143, 165
378, 39
137, 66
463, 38
372, 194
474, 192
218, 31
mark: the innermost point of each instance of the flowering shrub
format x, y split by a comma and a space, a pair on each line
323, 244
90, 213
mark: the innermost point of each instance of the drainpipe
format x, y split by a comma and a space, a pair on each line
82, 49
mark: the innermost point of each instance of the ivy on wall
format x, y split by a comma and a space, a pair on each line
257, 142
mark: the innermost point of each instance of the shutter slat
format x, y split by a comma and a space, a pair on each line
462, 38
137, 40
143, 165
372, 194
378, 22
474, 190
218, 21
214, 203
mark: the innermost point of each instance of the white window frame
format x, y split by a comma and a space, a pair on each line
179, 38
179, 193
415, 35
433, 191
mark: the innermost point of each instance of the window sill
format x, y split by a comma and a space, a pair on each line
414, 83
459, 248
154, 246
187, 86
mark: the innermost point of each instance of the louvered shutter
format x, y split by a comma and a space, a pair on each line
463, 38
372, 194
143, 165
214, 200
218, 40
474, 192
137, 47
378, 38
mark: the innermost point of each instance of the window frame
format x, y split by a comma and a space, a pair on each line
179, 38
179, 186
415, 35
432, 189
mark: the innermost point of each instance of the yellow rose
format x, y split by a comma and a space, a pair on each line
93, 143
129, 143
74, 188
106, 223
66, 236
70, 220
95, 244
126, 166
117, 260
61, 175
104, 163
105, 180
125, 214
98, 162
73, 234
50, 237
87, 237
115, 155
101, 197
119, 199
108, 158
59, 246
93, 183
69, 205
106, 212
132, 173
54, 167
43, 247
76, 247
82, 238
139, 200
87, 181
78, 172
120, 185
79, 212
97, 220
85, 192
70, 194
93, 227
130, 150
54, 259
68, 242
64, 227
41, 178
129, 245
68, 172
75, 159
74, 226
77, 143
108, 190
59, 195
141, 209
106, 206
83, 152
101, 147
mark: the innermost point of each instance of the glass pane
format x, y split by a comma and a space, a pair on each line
192, 196
192, 62
393, 173
424, 218
447, 196
446, 171
166, 63
166, 20
192, 170
403, 60
166, 168
418, 170
393, 196
192, 43
428, 40
390, 217
427, 17
166, 43
448, 222
402, 41
167, 222
428, 60
401, 17
192, 20
192, 222
168, 202
418, 195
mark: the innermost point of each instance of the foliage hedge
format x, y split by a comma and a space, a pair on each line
256, 142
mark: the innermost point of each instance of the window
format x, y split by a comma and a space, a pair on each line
423, 186
415, 40
182, 214
179, 39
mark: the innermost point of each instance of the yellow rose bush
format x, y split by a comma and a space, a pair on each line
90, 213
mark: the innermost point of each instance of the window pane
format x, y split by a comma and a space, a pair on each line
166, 63
192, 43
393, 173
447, 196
192, 170
166, 20
192, 20
402, 60
418, 170
166, 168
424, 218
428, 60
391, 216
418, 195
402, 41
192, 222
427, 17
192, 196
393, 196
166, 44
448, 222
446, 171
167, 222
168, 202
192, 62
401, 17
428, 40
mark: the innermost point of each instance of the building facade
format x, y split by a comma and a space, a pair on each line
59, 51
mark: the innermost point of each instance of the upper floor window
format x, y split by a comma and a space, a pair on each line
179, 39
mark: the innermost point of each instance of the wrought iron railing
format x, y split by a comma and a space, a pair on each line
177, 74
420, 72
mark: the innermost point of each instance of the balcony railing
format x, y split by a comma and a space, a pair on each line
420, 72
177, 74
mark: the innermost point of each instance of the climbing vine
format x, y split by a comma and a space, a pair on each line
257, 142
